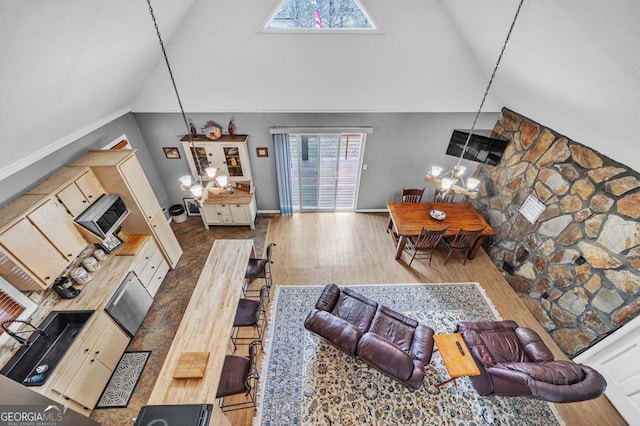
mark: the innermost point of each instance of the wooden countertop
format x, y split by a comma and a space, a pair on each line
238, 197
206, 327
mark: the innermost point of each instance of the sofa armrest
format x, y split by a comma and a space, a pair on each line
328, 298
334, 329
385, 356
422, 345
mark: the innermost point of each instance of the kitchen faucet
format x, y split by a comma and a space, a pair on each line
20, 339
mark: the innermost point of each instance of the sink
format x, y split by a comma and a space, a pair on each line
62, 328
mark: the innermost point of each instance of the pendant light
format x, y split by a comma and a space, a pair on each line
187, 182
448, 182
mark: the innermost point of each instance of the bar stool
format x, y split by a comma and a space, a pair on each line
260, 268
250, 313
239, 375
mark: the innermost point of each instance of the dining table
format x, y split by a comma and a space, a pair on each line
406, 220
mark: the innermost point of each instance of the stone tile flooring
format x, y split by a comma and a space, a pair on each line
160, 324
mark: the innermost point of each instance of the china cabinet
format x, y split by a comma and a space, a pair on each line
229, 155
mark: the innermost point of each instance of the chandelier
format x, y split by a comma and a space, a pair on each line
187, 183
453, 180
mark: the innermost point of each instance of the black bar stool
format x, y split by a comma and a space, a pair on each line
239, 375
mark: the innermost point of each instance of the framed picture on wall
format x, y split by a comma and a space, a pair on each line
191, 207
262, 151
171, 152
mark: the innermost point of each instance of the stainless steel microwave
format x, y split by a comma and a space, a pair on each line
104, 215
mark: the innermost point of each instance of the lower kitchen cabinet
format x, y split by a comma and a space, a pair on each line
89, 368
150, 266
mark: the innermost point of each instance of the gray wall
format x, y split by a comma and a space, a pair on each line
20, 182
398, 153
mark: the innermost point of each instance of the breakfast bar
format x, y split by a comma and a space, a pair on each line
205, 328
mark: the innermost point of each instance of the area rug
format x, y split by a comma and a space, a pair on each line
124, 379
306, 381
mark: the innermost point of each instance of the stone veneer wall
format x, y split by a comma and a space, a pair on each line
592, 210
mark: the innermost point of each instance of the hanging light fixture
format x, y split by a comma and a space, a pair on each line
452, 180
187, 182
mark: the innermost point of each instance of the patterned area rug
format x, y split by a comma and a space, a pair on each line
123, 380
306, 381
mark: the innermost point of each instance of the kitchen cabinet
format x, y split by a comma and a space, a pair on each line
90, 366
120, 172
150, 266
78, 195
136, 179
33, 253
58, 227
229, 155
38, 238
43, 243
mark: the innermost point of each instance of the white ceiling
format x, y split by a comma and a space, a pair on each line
573, 65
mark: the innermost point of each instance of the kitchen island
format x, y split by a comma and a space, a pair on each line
206, 327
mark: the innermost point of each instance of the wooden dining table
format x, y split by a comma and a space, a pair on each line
407, 220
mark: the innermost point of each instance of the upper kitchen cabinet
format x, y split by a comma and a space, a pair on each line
37, 244
120, 172
75, 187
229, 155
78, 195
52, 220
24, 247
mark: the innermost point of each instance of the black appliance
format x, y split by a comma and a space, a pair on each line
129, 304
62, 286
482, 148
104, 215
174, 415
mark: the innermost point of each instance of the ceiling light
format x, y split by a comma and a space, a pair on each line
448, 181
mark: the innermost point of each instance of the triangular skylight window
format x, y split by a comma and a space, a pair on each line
320, 15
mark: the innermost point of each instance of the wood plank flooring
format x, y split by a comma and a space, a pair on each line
354, 248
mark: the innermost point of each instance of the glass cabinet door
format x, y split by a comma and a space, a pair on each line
233, 161
200, 159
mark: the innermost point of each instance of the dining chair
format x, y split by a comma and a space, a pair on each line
239, 375
250, 313
409, 195
462, 242
412, 195
441, 196
422, 246
259, 268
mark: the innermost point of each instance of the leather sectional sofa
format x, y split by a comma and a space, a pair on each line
387, 340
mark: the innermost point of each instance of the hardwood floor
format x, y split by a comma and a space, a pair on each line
354, 248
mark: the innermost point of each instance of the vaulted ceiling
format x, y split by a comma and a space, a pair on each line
68, 66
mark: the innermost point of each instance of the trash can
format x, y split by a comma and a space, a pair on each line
177, 213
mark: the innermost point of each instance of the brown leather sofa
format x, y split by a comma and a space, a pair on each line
387, 340
514, 361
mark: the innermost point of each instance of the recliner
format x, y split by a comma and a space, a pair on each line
513, 361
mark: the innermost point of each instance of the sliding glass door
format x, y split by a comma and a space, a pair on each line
325, 170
